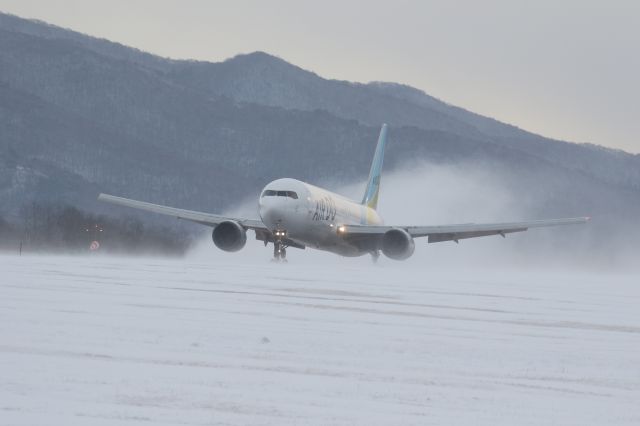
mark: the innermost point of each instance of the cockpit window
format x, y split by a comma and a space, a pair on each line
272, 193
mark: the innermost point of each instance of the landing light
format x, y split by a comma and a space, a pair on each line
341, 229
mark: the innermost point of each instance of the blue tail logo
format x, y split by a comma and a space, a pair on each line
370, 198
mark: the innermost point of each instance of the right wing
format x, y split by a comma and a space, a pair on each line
262, 232
190, 215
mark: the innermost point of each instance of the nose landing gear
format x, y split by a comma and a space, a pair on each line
279, 246
279, 252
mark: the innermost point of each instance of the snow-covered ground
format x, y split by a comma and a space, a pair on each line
98, 340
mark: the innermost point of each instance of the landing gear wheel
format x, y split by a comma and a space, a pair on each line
279, 252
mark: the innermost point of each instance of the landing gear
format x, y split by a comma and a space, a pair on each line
375, 255
279, 251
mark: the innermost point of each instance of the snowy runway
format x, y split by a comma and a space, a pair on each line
114, 341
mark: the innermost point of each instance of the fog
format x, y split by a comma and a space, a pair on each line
436, 194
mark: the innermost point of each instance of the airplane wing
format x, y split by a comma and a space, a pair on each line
455, 233
190, 215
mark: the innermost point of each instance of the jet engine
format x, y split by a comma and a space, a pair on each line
229, 236
397, 244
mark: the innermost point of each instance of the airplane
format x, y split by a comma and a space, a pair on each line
297, 214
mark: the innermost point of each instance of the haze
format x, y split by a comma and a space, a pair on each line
564, 70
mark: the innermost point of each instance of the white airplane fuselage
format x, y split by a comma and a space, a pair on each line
312, 216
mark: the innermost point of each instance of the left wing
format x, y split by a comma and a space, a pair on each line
455, 233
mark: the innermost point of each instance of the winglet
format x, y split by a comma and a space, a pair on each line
370, 198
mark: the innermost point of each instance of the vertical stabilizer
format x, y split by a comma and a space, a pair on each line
370, 198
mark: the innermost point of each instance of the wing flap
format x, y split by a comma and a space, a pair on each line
437, 238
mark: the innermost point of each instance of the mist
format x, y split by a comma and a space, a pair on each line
438, 194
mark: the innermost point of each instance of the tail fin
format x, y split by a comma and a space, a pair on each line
370, 198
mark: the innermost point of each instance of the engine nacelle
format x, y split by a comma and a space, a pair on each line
229, 236
397, 244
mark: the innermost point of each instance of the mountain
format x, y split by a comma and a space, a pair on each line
266, 80
80, 115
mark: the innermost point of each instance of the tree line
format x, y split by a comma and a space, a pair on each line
66, 229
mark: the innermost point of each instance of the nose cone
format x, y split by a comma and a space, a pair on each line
280, 203
269, 213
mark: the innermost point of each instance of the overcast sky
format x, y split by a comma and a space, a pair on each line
564, 69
